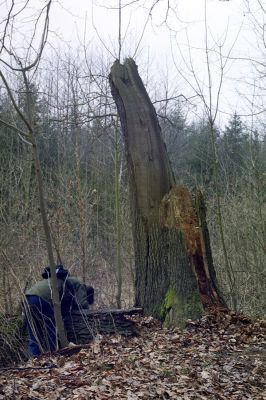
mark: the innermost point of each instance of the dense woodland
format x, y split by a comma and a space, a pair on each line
66, 197
85, 177
105, 166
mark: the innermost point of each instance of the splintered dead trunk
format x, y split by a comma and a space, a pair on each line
178, 210
165, 284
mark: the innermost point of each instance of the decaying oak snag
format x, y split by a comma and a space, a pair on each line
165, 284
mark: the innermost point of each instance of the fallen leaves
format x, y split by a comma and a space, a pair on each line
221, 357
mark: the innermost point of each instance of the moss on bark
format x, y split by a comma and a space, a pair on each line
175, 311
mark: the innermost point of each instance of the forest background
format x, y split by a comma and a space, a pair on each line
83, 163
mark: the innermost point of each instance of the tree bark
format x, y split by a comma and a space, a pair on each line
165, 284
164, 279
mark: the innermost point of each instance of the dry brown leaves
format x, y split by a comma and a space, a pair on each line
219, 357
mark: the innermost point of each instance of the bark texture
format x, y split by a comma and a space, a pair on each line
165, 284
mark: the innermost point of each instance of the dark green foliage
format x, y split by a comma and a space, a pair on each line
233, 149
190, 151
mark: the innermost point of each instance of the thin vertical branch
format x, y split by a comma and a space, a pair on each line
208, 62
119, 30
55, 294
118, 216
212, 117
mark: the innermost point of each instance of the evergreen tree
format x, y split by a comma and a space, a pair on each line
233, 149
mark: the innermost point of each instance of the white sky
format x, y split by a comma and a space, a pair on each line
169, 51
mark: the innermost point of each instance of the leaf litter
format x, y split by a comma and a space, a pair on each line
222, 356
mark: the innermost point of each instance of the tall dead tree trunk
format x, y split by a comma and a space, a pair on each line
165, 283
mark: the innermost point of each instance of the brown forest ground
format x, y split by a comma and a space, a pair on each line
220, 357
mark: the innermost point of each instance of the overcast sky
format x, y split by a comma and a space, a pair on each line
168, 47
169, 44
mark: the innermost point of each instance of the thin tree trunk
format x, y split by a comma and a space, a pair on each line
5, 289
55, 293
228, 267
118, 220
54, 288
81, 204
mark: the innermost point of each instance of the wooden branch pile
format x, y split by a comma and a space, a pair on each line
82, 326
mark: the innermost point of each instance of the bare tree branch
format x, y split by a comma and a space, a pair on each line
24, 137
41, 45
21, 115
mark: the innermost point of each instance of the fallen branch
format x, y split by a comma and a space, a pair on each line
82, 326
96, 313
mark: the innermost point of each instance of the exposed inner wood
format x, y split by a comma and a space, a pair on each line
178, 210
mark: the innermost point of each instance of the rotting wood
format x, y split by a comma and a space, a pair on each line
82, 326
178, 211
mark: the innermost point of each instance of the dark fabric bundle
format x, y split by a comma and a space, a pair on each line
90, 294
61, 272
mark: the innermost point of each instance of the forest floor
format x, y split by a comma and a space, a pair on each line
220, 357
